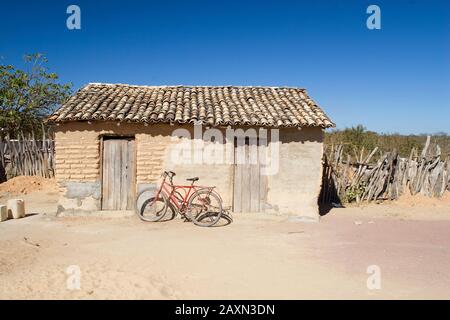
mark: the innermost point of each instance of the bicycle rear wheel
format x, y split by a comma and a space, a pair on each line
153, 209
205, 208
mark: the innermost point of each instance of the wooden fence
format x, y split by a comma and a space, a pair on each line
347, 178
26, 156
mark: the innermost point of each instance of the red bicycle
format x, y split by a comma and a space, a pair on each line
199, 204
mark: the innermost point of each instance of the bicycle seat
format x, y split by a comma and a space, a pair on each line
193, 179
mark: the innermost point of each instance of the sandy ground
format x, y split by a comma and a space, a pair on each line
257, 256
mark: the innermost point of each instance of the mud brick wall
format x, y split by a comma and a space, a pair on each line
293, 189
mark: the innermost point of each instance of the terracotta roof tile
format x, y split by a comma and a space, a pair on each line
228, 105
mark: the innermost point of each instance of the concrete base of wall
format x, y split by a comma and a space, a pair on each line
79, 197
132, 213
84, 198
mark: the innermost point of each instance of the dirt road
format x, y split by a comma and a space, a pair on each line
257, 256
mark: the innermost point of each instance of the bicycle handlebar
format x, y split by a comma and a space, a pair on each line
169, 174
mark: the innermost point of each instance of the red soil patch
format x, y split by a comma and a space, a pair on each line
420, 200
27, 184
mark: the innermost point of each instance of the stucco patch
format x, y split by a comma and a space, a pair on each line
146, 186
81, 190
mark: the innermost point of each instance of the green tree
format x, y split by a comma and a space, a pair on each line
356, 138
27, 96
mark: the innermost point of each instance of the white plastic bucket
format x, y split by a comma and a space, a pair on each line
3, 213
16, 208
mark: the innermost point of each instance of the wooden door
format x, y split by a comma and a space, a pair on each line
118, 179
250, 186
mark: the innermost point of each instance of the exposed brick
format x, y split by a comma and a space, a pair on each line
89, 171
95, 165
60, 176
77, 176
72, 161
77, 166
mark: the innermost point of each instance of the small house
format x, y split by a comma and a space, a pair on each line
261, 147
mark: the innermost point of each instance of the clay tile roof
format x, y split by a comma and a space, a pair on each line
227, 105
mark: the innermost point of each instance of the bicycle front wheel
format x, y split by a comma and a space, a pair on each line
205, 208
153, 209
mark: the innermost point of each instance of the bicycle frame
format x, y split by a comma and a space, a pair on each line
201, 205
173, 195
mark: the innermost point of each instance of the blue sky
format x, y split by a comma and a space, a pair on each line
396, 79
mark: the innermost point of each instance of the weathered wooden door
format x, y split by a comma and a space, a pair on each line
250, 186
118, 180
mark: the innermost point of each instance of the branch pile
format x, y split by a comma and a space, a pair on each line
347, 178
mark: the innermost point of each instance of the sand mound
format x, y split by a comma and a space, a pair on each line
420, 200
27, 184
